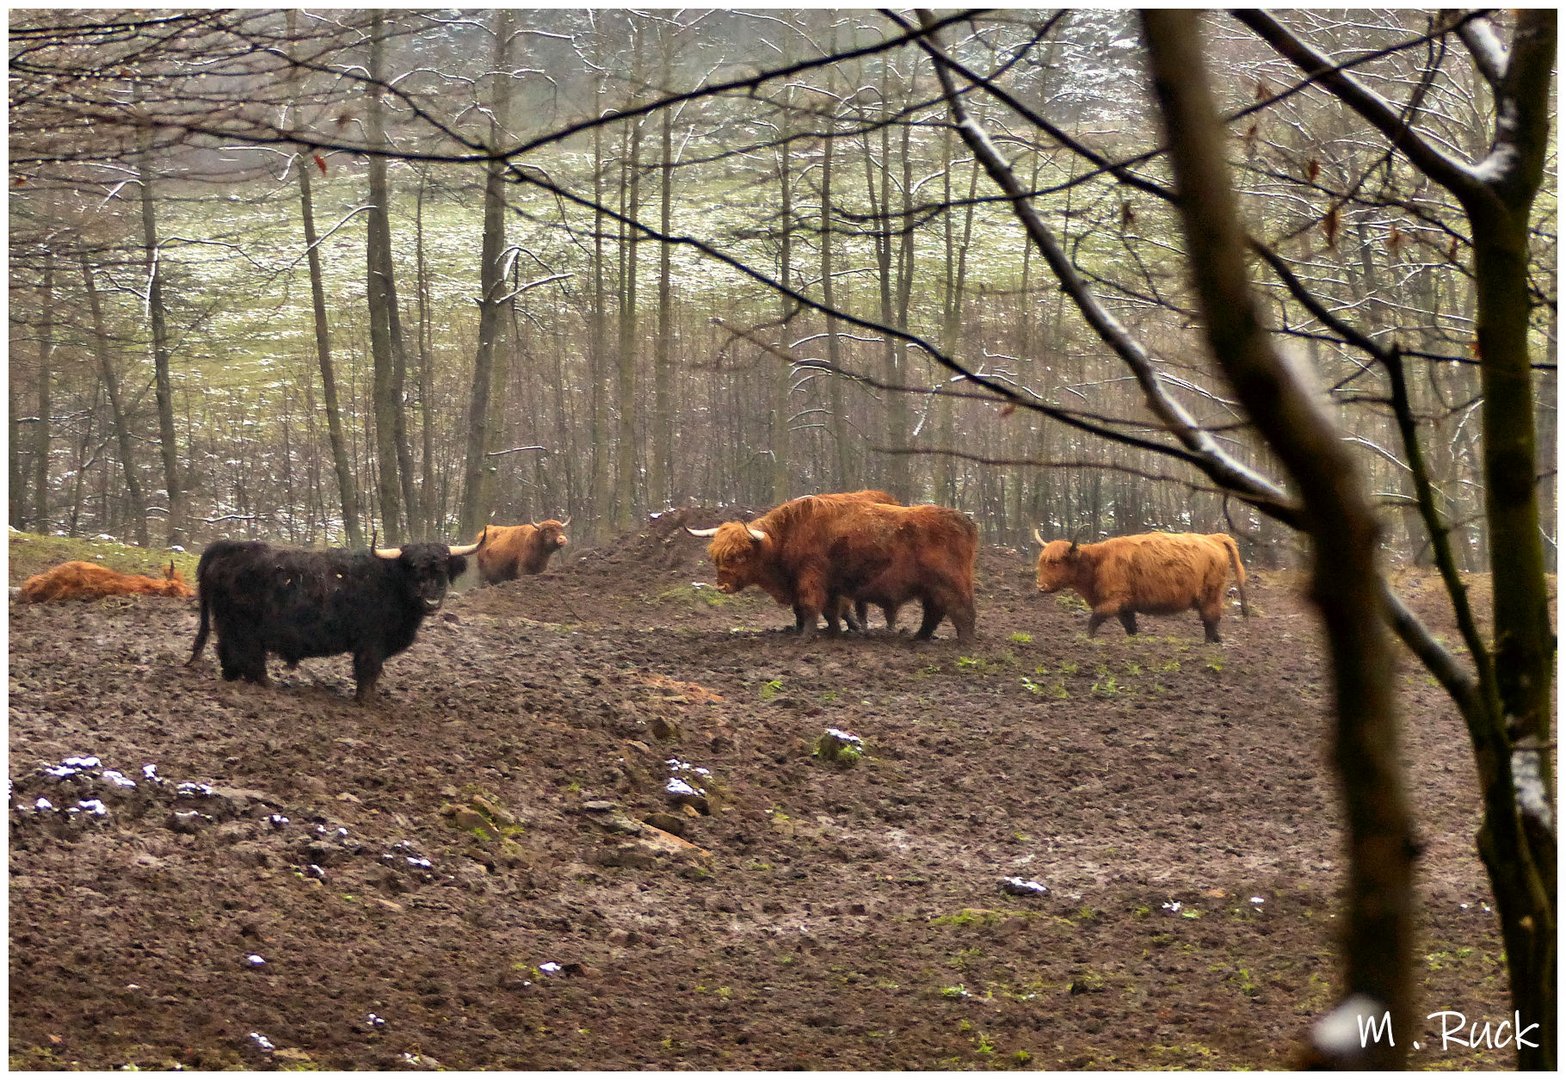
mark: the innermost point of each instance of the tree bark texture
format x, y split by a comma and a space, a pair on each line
1345, 583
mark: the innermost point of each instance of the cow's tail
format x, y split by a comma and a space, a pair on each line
203, 593
1239, 572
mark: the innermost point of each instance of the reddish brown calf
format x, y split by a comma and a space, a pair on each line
89, 581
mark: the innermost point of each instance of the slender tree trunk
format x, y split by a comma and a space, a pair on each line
158, 317
843, 471
626, 456
42, 436
429, 485
347, 487
476, 486
598, 360
381, 298
660, 462
117, 415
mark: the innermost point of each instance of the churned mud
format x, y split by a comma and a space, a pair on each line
585, 825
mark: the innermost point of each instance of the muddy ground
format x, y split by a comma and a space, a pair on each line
462, 874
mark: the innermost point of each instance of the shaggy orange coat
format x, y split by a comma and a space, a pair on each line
514, 550
89, 581
1153, 573
813, 551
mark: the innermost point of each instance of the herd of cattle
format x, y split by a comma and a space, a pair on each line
826, 556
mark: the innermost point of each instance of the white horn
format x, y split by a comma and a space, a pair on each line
755, 534
468, 549
1037, 538
703, 532
388, 553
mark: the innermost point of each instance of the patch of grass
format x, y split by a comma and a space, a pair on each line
1193, 1054
693, 594
979, 917
964, 957
1056, 690
1109, 686
1021, 637
33, 553
771, 688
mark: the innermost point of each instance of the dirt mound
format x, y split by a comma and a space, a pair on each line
583, 825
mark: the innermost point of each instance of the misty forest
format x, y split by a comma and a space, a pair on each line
328, 278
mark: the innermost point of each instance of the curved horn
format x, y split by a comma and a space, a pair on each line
468, 549
703, 533
1037, 538
388, 553
566, 522
755, 533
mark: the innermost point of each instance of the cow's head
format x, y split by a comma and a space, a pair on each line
552, 534
739, 553
1057, 563
428, 569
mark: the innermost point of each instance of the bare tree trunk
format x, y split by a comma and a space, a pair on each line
626, 456
1345, 583
843, 471
429, 482
598, 347
951, 316
347, 487
167, 438
476, 486
660, 462
41, 437
117, 416
382, 300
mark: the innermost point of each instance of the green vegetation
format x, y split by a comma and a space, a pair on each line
1057, 689
32, 553
694, 595
840, 748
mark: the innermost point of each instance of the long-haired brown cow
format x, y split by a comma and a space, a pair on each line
1153, 573
89, 581
812, 551
514, 550
854, 613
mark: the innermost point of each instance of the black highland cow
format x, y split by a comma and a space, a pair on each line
295, 603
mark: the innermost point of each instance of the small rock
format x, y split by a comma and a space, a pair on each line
188, 822
468, 819
1019, 887
498, 814
670, 823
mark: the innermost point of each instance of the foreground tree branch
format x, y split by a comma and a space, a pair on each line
1345, 583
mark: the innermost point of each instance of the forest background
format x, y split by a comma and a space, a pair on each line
177, 296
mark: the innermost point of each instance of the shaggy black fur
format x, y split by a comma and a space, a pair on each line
294, 603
